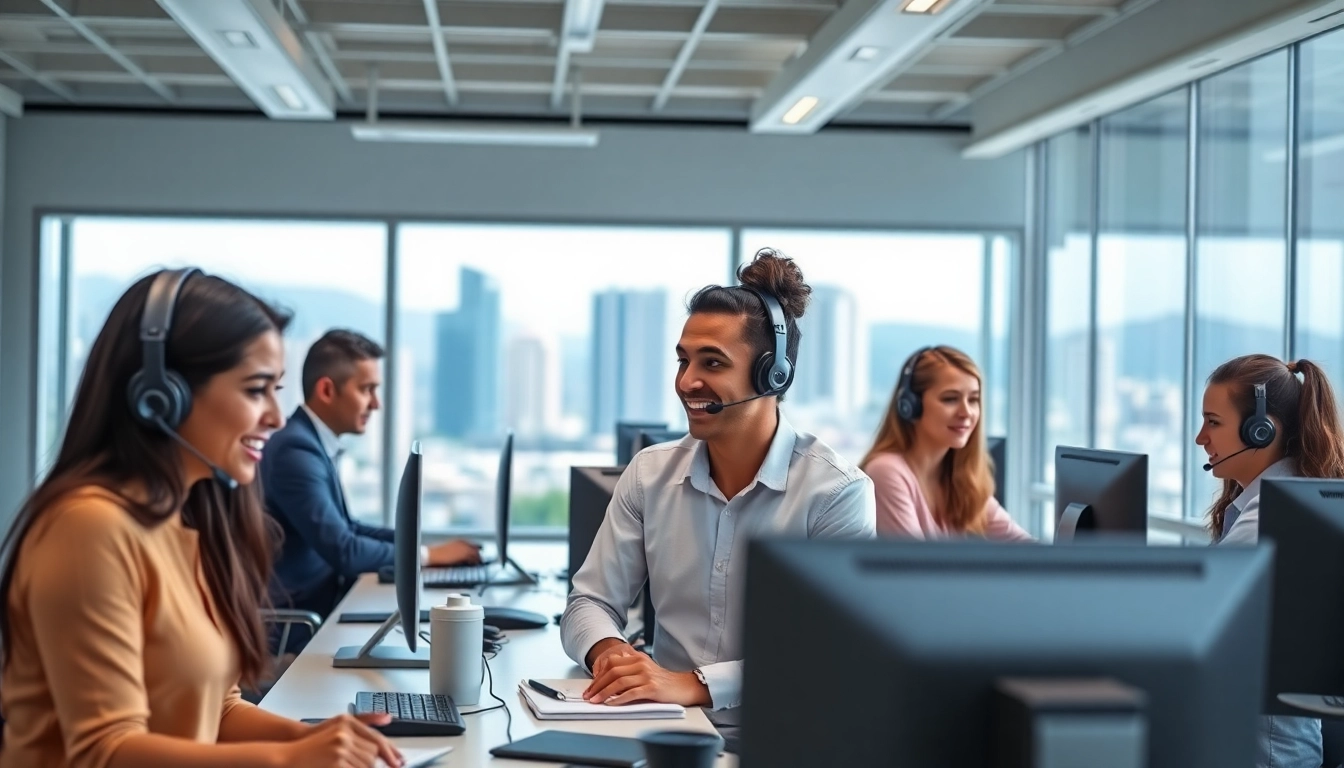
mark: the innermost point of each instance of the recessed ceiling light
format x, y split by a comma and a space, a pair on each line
799, 111
923, 6
290, 96
865, 53
238, 38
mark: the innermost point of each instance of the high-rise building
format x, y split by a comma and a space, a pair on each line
467, 362
527, 383
629, 375
832, 368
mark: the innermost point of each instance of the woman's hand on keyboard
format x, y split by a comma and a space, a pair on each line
344, 741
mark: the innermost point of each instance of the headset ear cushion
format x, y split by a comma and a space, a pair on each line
171, 403
908, 405
761, 375
1257, 432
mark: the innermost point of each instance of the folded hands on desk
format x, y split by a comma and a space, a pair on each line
622, 675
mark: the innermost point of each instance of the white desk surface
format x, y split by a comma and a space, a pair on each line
311, 687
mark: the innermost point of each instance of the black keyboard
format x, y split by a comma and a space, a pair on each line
456, 575
413, 714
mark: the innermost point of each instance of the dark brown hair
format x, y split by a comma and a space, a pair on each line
334, 356
769, 272
1305, 411
213, 324
967, 474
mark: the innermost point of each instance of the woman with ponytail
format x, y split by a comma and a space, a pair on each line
1305, 440
929, 464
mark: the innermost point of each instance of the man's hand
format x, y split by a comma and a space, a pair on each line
622, 675
457, 552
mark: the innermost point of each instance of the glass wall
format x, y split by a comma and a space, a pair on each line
329, 274
1241, 247
1068, 289
555, 333
1319, 329
1185, 266
876, 298
1140, 298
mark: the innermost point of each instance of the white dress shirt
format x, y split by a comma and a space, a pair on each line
1241, 520
670, 523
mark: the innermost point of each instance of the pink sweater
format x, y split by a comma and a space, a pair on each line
902, 509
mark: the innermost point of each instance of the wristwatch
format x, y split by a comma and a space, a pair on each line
700, 675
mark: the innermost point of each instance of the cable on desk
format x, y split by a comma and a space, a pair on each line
485, 662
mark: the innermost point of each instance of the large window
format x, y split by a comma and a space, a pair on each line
876, 298
1319, 332
1192, 261
1241, 249
1068, 283
1141, 251
552, 332
328, 274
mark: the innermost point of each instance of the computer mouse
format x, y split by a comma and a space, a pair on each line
491, 632
513, 618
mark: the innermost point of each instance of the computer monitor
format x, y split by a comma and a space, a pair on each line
889, 653
1100, 493
503, 501
998, 455
626, 432
648, 437
406, 554
1305, 521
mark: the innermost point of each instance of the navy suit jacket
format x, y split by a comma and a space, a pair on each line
324, 549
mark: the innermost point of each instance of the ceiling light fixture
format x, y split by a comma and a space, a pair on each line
798, 111
238, 38
923, 6
289, 96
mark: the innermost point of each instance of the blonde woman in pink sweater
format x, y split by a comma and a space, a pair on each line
929, 465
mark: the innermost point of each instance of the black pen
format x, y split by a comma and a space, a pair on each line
545, 690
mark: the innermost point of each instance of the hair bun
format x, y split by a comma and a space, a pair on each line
777, 274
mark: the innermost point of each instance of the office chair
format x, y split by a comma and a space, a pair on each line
285, 618
1332, 740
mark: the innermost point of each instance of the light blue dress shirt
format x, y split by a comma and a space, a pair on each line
669, 522
1284, 742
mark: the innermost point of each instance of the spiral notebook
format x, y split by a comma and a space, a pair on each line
575, 708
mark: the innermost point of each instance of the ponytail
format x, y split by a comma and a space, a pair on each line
1320, 439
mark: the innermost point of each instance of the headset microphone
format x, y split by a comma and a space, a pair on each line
1208, 467
716, 407
221, 476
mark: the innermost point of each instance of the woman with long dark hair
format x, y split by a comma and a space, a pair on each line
1261, 421
134, 573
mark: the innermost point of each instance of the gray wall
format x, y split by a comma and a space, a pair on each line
223, 165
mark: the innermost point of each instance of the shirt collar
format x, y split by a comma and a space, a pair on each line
773, 472
330, 442
1281, 468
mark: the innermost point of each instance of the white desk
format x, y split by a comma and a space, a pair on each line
311, 687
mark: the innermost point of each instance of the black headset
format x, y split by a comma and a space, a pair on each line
773, 373
909, 404
1258, 430
158, 395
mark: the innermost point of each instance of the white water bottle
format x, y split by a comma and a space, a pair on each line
456, 634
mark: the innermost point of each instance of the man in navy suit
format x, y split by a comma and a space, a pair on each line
325, 550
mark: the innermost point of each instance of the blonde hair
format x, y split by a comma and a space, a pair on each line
967, 474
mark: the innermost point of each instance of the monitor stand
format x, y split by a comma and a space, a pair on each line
1076, 517
1042, 722
1317, 705
371, 655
